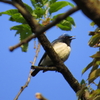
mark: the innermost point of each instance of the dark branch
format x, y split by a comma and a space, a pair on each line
91, 8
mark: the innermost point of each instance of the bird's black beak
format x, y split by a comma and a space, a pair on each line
72, 37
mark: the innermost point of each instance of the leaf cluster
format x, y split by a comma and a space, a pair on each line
42, 11
94, 64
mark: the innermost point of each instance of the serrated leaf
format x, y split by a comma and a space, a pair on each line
24, 31
95, 74
94, 39
22, 27
87, 67
57, 6
18, 18
97, 55
10, 12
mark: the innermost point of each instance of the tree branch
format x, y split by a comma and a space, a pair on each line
91, 8
44, 68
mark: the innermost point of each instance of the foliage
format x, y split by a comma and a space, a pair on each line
94, 64
43, 11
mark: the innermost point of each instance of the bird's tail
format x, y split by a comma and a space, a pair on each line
35, 72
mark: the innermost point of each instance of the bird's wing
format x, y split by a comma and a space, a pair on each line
44, 55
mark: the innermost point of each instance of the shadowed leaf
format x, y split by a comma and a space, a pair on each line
94, 75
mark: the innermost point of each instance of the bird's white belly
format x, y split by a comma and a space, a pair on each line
61, 49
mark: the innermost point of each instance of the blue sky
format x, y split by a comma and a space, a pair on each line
15, 66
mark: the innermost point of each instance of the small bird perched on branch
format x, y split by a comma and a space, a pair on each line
61, 47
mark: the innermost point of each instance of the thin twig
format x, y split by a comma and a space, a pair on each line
43, 29
37, 51
23, 87
31, 70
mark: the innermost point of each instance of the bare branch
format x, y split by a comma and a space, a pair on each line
37, 51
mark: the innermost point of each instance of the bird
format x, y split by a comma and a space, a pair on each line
61, 46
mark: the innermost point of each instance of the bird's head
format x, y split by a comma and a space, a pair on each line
66, 38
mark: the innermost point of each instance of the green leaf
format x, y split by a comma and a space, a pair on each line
24, 31
44, 1
52, 1
87, 67
22, 27
63, 27
82, 82
66, 23
95, 74
94, 39
57, 6
71, 20
33, 3
10, 12
17, 18
28, 8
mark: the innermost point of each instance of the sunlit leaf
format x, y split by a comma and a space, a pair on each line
64, 26
57, 6
10, 12
71, 20
24, 31
94, 75
17, 18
